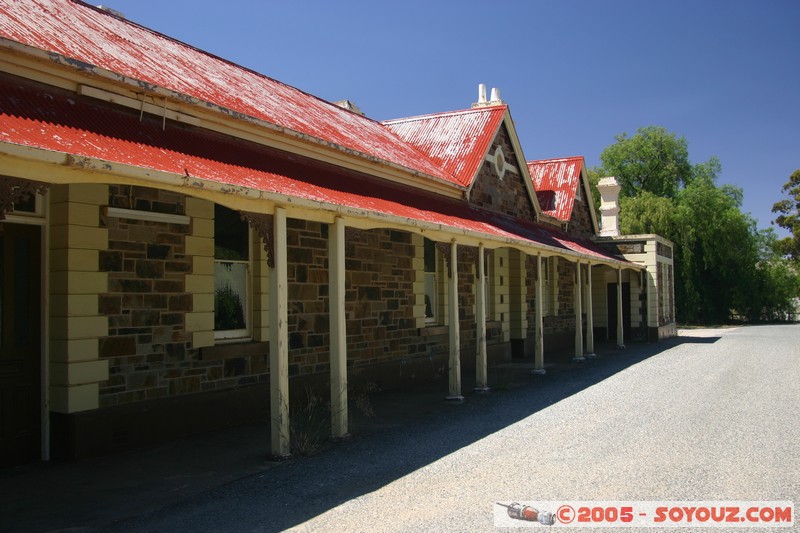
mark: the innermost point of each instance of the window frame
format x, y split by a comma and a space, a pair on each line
245, 285
431, 281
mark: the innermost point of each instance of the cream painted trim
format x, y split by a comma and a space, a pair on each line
454, 328
45, 382
58, 167
25, 219
42, 220
337, 316
57, 70
481, 371
637, 237
149, 216
279, 341
138, 104
588, 198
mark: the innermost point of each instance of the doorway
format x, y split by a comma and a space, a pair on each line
20, 344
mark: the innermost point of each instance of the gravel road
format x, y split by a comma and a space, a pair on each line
712, 415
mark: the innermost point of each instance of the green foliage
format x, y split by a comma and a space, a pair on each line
789, 216
309, 425
647, 213
717, 252
723, 264
228, 310
777, 281
652, 160
594, 175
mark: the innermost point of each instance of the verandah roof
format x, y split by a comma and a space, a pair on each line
59, 121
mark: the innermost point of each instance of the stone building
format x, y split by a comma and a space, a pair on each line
187, 243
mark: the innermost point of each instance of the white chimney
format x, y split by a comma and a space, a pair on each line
609, 206
483, 102
481, 93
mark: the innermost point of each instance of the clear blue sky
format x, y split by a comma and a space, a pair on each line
725, 74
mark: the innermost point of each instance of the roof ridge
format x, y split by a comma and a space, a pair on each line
554, 159
443, 114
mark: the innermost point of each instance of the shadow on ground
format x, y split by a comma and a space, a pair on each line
411, 430
201, 482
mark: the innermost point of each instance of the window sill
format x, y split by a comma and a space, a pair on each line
433, 330
233, 348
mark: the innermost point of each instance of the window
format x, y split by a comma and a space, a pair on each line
488, 291
29, 205
550, 286
488, 285
545, 286
431, 305
231, 274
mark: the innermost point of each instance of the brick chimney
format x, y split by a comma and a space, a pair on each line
609, 206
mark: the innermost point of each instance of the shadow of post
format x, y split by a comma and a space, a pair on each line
412, 429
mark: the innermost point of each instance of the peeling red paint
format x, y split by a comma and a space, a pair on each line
458, 141
556, 182
80, 127
84, 37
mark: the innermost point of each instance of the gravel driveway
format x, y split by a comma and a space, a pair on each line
711, 415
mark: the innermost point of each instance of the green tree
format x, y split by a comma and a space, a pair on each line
778, 280
716, 253
647, 213
594, 175
789, 216
721, 266
652, 160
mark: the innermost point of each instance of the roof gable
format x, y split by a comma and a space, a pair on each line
86, 38
556, 182
458, 140
501, 185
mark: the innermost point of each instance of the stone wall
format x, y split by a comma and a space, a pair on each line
508, 196
580, 223
147, 347
149, 352
558, 328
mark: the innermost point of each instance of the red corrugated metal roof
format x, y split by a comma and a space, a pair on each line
80, 32
556, 182
59, 121
458, 141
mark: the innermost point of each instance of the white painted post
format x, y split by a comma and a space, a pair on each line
620, 333
539, 341
589, 314
279, 341
578, 358
455, 335
481, 373
337, 318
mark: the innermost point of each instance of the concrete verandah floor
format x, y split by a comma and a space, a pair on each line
93, 493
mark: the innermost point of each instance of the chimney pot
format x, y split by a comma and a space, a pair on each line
496, 95
482, 93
